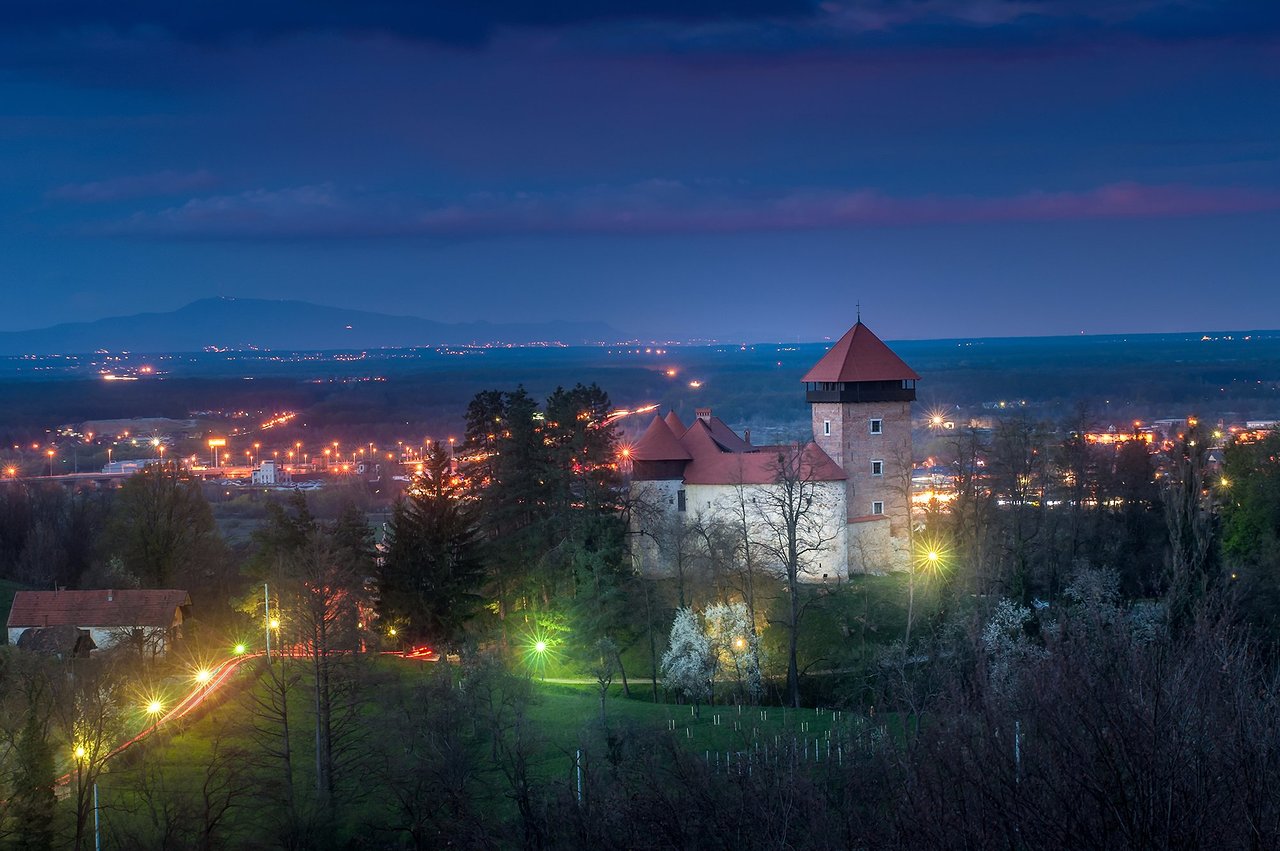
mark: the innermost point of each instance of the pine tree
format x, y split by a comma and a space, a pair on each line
33, 803
433, 567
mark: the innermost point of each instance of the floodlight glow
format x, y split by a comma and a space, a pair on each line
203, 676
540, 646
275, 623
154, 707
80, 752
240, 649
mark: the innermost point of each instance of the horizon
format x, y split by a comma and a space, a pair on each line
621, 341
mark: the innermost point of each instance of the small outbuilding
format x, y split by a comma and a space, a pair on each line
147, 619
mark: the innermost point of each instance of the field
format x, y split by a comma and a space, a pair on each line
164, 783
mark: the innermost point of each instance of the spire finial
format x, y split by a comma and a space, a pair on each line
859, 307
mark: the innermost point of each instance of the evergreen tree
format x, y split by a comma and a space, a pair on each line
433, 568
33, 803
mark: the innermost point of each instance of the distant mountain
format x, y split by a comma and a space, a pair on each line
251, 323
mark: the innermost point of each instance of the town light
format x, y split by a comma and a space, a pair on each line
203, 676
240, 649
275, 623
80, 752
154, 707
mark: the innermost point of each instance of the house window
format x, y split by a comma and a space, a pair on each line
877, 468
680, 503
826, 427
877, 507
877, 426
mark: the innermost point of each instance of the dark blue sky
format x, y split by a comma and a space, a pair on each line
745, 169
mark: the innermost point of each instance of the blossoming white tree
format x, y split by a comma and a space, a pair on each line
689, 664
735, 644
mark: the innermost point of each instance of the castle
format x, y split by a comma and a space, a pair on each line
853, 476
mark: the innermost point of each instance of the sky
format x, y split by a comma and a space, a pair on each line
727, 169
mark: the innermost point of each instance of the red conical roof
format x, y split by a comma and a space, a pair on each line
677, 427
659, 444
860, 356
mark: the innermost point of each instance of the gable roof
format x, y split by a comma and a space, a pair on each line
114, 608
713, 464
659, 444
860, 356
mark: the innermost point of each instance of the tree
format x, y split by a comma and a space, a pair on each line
433, 567
603, 666
736, 645
32, 804
1192, 567
163, 529
798, 522
689, 664
1249, 490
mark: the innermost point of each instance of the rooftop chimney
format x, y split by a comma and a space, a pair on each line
703, 413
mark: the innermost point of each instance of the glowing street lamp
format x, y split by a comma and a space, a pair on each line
540, 647
203, 676
80, 752
50, 453
240, 649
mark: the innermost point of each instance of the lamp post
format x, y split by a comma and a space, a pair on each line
266, 608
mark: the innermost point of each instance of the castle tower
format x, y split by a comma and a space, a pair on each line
860, 394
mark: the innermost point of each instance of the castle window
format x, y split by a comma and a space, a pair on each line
680, 501
877, 426
877, 507
877, 468
826, 427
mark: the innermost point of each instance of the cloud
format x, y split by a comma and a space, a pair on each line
656, 207
707, 25
153, 185
467, 22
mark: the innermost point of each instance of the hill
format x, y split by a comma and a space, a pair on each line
249, 323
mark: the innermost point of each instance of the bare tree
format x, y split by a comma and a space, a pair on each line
796, 518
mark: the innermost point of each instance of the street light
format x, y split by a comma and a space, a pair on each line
240, 649
50, 453
203, 676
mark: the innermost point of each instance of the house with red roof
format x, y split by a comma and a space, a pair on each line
857, 470
148, 618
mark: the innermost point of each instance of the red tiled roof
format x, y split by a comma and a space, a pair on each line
673, 422
860, 356
725, 436
713, 465
659, 444
117, 608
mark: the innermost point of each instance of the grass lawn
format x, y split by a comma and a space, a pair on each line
565, 717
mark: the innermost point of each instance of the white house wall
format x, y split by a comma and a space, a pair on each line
722, 504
